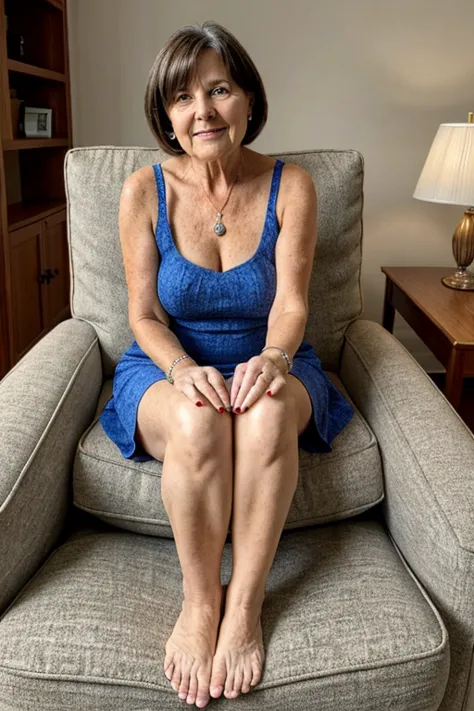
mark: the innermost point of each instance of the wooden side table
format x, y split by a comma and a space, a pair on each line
442, 317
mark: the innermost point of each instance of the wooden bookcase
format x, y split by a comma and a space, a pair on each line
34, 264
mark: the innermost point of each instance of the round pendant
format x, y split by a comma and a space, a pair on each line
219, 229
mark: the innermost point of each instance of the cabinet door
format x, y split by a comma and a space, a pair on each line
25, 286
54, 270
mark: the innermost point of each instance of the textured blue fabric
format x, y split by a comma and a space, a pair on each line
220, 318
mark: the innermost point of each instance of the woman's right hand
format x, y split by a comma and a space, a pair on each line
203, 385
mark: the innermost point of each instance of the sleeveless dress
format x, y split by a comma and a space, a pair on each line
220, 319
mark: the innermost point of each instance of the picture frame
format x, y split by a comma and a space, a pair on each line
37, 122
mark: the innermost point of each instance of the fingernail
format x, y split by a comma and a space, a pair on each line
199, 403
270, 393
237, 410
221, 410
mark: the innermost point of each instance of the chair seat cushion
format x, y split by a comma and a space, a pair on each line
345, 626
332, 486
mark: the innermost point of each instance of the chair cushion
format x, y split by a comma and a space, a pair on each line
345, 626
94, 178
331, 486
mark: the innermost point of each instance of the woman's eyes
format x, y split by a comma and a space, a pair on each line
184, 97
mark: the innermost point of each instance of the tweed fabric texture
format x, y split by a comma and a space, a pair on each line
428, 459
344, 622
94, 177
332, 486
47, 400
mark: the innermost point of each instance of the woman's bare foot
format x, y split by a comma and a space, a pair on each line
238, 661
190, 649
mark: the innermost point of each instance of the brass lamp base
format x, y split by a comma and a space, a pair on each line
460, 280
463, 250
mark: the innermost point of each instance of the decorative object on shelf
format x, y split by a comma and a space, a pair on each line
15, 44
448, 177
17, 114
38, 122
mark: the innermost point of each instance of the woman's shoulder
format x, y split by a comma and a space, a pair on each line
140, 182
292, 175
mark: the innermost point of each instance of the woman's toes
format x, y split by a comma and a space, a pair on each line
238, 679
229, 685
202, 696
169, 669
247, 676
193, 688
184, 686
219, 673
176, 678
256, 674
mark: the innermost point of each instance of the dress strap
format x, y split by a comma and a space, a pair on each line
162, 233
271, 228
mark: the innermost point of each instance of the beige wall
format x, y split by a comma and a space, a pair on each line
375, 75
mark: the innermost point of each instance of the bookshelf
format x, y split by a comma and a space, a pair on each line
34, 264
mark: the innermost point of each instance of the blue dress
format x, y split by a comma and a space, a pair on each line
220, 319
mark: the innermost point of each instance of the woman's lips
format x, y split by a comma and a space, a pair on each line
210, 134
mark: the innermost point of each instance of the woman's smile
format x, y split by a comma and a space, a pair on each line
213, 133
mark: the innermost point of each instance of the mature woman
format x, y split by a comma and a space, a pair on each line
218, 244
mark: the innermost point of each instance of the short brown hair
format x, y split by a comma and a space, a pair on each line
174, 67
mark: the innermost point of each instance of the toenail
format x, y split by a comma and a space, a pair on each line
182, 695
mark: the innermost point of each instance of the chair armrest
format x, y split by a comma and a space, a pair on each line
428, 459
46, 402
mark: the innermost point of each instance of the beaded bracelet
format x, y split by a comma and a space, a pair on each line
284, 354
168, 374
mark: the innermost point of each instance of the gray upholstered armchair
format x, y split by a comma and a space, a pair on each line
370, 601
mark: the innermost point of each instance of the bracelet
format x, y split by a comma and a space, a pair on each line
284, 354
168, 374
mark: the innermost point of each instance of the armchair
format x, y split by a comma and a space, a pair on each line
369, 602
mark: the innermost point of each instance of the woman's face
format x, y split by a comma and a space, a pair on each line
210, 116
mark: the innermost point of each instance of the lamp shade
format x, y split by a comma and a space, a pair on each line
448, 173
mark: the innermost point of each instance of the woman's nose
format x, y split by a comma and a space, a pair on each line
204, 107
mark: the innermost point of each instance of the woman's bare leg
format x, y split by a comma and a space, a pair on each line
195, 445
265, 479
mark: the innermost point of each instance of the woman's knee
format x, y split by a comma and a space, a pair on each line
271, 421
199, 433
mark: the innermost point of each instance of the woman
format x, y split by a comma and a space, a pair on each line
218, 383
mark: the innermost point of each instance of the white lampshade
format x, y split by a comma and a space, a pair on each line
448, 173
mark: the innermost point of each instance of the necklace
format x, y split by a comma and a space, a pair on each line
219, 227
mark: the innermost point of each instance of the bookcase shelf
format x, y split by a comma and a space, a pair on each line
34, 72
20, 144
31, 70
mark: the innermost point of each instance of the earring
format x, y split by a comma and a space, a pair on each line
250, 117
171, 136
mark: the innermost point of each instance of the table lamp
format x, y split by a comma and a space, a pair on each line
448, 177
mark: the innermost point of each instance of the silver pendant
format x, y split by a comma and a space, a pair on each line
219, 227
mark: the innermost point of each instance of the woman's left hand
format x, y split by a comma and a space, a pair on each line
258, 376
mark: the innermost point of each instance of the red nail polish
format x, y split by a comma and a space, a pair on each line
237, 409
221, 410
270, 393
199, 403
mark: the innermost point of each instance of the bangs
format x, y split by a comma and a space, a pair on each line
180, 70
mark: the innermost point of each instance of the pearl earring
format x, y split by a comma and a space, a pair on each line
250, 117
